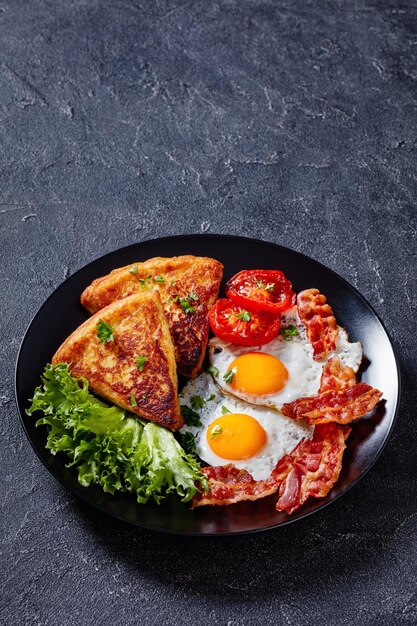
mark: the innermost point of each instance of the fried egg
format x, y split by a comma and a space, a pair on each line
280, 371
250, 437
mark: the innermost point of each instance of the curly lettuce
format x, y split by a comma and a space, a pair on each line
108, 446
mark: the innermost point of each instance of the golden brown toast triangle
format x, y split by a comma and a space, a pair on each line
175, 278
139, 329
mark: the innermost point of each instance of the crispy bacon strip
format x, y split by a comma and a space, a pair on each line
336, 377
228, 484
341, 407
311, 469
320, 323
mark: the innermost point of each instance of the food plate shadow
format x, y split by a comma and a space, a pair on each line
267, 566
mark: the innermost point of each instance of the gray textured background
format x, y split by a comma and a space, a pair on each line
293, 121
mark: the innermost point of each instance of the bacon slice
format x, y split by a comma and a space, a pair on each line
311, 469
228, 484
336, 377
341, 407
340, 398
320, 323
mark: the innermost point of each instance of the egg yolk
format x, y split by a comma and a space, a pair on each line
258, 374
236, 436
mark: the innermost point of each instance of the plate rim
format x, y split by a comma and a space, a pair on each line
228, 533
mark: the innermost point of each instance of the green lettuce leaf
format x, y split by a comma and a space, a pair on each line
109, 446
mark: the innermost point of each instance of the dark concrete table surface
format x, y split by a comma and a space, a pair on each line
289, 120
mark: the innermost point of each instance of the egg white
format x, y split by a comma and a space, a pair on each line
296, 353
283, 434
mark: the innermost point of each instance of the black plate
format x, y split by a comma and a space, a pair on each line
62, 313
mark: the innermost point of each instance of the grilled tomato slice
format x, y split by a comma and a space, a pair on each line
261, 290
233, 323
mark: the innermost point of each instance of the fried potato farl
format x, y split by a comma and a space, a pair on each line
188, 287
146, 385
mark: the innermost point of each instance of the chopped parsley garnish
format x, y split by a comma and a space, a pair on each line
159, 279
133, 400
187, 441
228, 377
197, 402
225, 410
141, 362
214, 371
134, 269
105, 332
191, 417
185, 303
186, 306
245, 316
145, 281
269, 287
144, 396
211, 397
289, 331
217, 430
